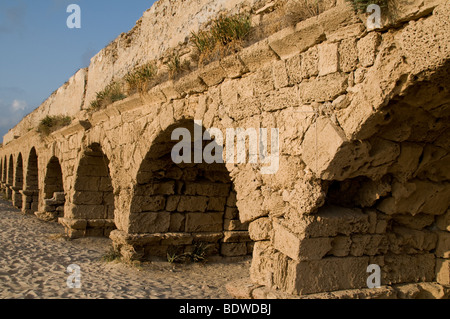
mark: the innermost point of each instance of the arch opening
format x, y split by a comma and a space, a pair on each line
10, 178
18, 183
93, 199
186, 208
53, 192
30, 195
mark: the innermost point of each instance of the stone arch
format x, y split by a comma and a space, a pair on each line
30, 194
53, 192
386, 188
10, 177
180, 207
92, 206
2, 170
18, 182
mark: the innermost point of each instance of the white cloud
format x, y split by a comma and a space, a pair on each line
19, 105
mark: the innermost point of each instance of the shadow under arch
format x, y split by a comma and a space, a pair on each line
10, 178
18, 183
30, 194
93, 199
185, 207
52, 193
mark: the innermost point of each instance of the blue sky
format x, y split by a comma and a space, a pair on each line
39, 53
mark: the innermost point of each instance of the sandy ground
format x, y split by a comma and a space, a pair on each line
34, 257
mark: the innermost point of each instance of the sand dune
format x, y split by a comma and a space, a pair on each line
34, 257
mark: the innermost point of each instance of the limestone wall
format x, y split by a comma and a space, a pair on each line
67, 100
363, 122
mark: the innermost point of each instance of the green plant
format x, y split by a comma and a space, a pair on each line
198, 254
112, 93
140, 78
50, 124
224, 35
176, 67
111, 255
361, 5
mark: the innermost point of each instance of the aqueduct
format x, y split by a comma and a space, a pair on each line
363, 119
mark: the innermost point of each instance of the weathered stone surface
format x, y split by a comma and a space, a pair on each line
204, 222
260, 229
443, 271
150, 222
322, 89
367, 184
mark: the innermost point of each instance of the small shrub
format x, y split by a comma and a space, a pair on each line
140, 78
361, 5
111, 255
177, 67
226, 34
112, 93
197, 255
300, 10
53, 123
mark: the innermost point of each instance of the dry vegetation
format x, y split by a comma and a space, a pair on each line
53, 123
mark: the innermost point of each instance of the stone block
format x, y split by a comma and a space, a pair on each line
328, 58
368, 245
176, 239
443, 244
280, 75
367, 49
88, 198
293, 69
190, 84
299, 248
172, 203
260, 229
257, 55
348, 55
340, 246
216, 204
233, 66
177, 222
207, 189
415, 197
443, 271
282, 99
87, 212
294, 40
329, 274
148, 204
320, 145
309, 63
192, 204
212, 74
323, 89
211, 237
155, 222
331, 221
235, 236
204, 222
408, 268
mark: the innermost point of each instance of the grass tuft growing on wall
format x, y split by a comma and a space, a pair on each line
225, 35
51, 124
140, 78
176, 66
112, 93
361, 5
